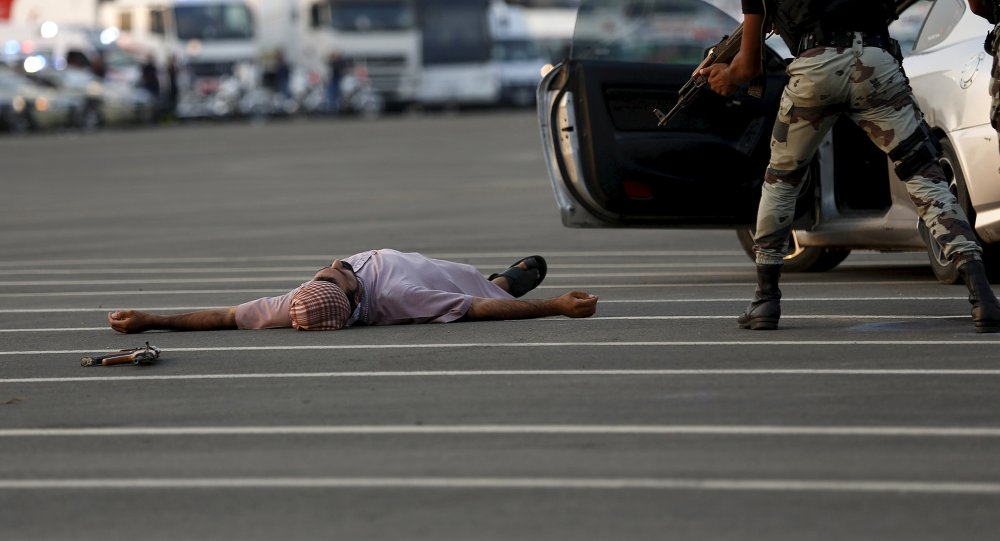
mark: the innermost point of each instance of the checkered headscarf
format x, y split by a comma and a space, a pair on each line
319, 306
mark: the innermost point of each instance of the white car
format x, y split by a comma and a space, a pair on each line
611, 165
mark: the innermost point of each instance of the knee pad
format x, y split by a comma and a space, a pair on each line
916, 152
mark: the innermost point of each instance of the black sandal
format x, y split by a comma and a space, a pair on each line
521, 281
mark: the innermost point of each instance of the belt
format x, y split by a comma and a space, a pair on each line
844, 39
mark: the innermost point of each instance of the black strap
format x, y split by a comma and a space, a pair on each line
846, 39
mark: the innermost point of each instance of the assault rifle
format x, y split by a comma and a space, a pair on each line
722, 53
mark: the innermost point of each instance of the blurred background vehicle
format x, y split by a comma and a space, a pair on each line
33, 106
231, 58
612, 166
215, 41
105, 102
15, 116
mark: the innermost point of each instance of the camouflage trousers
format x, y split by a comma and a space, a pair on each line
868, 85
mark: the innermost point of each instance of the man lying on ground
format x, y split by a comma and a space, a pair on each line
381, 287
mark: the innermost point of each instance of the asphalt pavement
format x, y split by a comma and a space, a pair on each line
873, 413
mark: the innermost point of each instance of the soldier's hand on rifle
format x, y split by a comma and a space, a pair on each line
721, 79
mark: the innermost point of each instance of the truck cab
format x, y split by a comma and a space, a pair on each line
214, 41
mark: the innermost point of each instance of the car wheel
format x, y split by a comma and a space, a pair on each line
801, 258
944, 270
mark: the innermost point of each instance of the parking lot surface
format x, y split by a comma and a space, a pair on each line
873, 413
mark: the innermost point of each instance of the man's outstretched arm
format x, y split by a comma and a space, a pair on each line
572, 304
133, 321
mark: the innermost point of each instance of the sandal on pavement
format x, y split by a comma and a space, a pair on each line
521, 281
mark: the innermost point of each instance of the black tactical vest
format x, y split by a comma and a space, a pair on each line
793, 19
993, 11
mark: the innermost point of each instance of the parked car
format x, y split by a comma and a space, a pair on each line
14, 114
32, 106
611, 165
104, 102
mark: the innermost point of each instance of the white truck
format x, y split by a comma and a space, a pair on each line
214, 41
380, 37
36, 12
477, 52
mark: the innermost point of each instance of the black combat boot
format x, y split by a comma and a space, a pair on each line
985, 308
765, 309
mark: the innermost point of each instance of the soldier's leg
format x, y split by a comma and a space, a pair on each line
883, 106
802, 122
808, 109
890, 116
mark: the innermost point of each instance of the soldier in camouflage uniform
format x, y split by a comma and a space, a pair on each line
845, 64
990, 10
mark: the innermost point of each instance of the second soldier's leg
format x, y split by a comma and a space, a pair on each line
888, 113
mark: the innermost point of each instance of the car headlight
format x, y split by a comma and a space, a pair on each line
18, 104
41, 104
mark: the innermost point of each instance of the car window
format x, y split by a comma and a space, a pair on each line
514, 50
941, 20
907, 27
660, 31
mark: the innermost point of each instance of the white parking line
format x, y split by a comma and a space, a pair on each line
298, 279
859, 317
277, 291
984, 341
56, 294
330, 257
528, 483
605, 301
525, 373
303, 277
602, 430
307, 270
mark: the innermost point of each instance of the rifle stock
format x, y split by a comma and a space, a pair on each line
722, 53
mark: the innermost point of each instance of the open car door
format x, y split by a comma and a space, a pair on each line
609, 162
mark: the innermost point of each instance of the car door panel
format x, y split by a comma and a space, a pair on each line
704, 169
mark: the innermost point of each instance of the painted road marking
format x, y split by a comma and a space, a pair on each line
531, 483
603, 430
606, 301
595, 318
524, 373
278, 291
341, 347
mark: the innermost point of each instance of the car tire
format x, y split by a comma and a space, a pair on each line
802, 258
944, 270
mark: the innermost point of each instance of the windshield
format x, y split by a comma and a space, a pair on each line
454, 32
660, 31
516, 49
366, 16
208, 22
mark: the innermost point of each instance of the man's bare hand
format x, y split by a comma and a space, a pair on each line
720, 79
130, 321
577, 304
